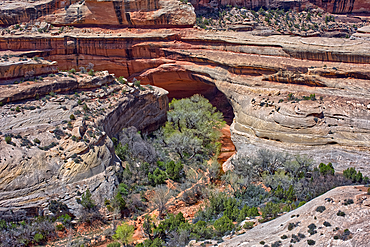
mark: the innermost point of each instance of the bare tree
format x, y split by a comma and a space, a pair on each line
160, 198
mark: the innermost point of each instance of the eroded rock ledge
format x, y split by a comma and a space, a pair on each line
57, 156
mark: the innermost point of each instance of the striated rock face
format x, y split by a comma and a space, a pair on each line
15, 67
355, 221
141, 13
53, 156
12, 12
289, 94
343, 6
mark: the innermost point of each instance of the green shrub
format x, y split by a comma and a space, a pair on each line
91, 72
86, 201
60, 227
157, 177
301, 203
352, 174
65, 219
122, 151
270, 210
114, 244
8, 139
193, 128
38, 238
123, 189
72, 117
284, 237
124, 233
223, 225
248, 225
119, 202
174, 170
326, 169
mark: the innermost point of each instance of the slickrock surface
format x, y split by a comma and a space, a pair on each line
61, 143
289, 94
352, 229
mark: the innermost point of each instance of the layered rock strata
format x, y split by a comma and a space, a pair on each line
17, 67
298, 95
167, 13
61, 143
12, 12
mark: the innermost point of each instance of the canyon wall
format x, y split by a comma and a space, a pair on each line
164, 13
25, 68
289, 94
53, 156
343, 6
12, 12
268, 81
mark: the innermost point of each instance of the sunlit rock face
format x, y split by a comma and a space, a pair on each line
304, 96
155, 13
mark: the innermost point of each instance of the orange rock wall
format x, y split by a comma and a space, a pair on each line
29, 12
343, 6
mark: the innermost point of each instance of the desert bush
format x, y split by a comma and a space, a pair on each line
356, 177
311, 229
160, 198
327, 224
320, 209
192, 195
157, 177
174, 170
326, 169
124, 233
223, 225
311, 242
270, 211
341, 213
114, 244
193, 128
57, 208
86, 201
8, 139
248, 225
